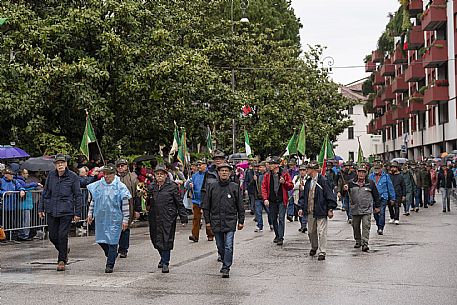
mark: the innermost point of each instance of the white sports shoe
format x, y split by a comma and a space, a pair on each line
397, 222
257, 229
391, 221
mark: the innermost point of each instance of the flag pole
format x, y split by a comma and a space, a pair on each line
96, 141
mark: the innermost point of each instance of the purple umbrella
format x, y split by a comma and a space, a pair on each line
11, 152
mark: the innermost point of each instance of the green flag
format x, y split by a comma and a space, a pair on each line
360, 158
325, 154
2, 21
182, 151
88, 137
209, 141
292, 146
301, 146
246, 143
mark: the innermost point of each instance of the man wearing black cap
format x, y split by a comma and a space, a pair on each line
62, 202
364, 200
317, 202
276, 185
223, 209
131, 182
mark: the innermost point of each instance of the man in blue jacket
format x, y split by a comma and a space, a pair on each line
62, 200
386, 192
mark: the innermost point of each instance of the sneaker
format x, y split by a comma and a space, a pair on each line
312, 252
193, 238
380, 232
416, 210
109, 269
61, 266
391, 221
219, 258
276, 240
225, 274
365, 248
165, 269
257, 229
280, 242
271, 228
210, 238
397, 222
349, 221
122, 254
357, 245
305, 230
160, 265
321, 257
290, 218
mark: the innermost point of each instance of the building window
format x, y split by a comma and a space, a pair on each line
422, 119
406, 125
351, 110
351, 156
431, 116
400, 128
443, 113
351, 133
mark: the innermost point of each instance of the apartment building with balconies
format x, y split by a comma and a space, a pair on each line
415, 85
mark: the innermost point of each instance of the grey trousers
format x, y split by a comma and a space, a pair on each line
361, 237
317, 233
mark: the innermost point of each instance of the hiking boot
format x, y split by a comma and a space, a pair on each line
357, 245
312, 252
280, 242
365, 248
193, 238
225, 274
122, 254
165, 269
61, 266
276, 240
109, 269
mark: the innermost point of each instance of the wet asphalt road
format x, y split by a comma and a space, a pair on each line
413, 263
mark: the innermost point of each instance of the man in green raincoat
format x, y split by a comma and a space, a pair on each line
110, 209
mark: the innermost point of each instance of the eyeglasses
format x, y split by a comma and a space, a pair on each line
121, 165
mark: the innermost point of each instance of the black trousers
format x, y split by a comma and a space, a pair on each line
58, 234
394, 210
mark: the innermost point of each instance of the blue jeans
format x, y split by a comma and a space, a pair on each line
291, 207
278, 216
124, 241
417, 197
303, 221
165, 256
24, 233
409, 201
381, 216
346, 205
110, 253
224, 242
259, 207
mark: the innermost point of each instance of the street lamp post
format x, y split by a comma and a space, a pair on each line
244, 4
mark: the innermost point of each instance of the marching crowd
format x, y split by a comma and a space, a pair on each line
216, 191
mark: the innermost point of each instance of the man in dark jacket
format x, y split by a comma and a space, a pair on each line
62, 200
364, 200
276, 185
346, 175
164, 205
223, 209
317, 202
426, 181
400, 192
446, 182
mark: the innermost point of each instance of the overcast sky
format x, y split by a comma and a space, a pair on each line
348, 28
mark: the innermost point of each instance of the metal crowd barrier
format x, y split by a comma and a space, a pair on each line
21, 213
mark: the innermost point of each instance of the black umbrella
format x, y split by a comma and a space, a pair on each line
40, 164
144, 158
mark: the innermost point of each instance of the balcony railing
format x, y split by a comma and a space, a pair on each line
378, 103
415, 72
387, 95
399, 57
377, 56
378, 79
415, 7
436, 55
370, 66
378, 123
435, 16
415, 38
399, 85
387, 118
400, 113
436, 94
388, 69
